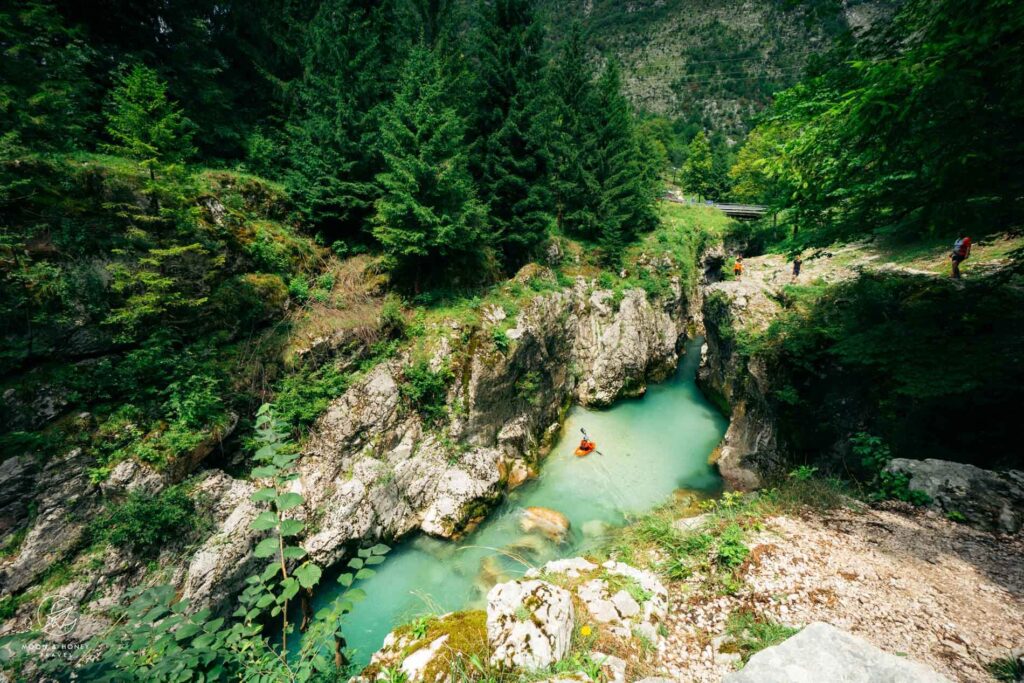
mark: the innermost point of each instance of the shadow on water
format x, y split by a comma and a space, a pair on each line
649, 447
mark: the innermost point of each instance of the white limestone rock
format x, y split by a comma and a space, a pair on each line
529, 624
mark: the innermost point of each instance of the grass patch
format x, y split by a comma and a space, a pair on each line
750, 633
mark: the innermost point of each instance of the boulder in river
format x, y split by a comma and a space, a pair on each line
552, 523
986, 499
529, 624
822, 652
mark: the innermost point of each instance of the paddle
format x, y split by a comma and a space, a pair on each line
584, 433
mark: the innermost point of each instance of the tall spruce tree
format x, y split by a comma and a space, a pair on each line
628, 181
571, 138
143, 124
428, 218
350, 66
508, 148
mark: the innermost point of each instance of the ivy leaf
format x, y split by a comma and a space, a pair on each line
266, 520
380, 549
355, 563
376, 559
266, 548
264, 601
291, 527
308, 575
356, 595
345, 580
287, 501
365, 573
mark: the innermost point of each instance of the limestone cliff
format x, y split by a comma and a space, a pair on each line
373, 468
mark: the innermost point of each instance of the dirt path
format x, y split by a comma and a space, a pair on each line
912, 583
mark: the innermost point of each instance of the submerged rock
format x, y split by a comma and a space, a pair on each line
552, 523
529, 624
821, 652
987, 499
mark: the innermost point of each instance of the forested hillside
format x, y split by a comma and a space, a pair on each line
715, 64
283, 282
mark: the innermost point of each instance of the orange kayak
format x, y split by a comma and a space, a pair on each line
580, 452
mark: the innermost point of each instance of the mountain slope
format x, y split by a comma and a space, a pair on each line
716, 62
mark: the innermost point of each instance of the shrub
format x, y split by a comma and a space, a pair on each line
392, 320
426, 389
500, 338
298, 288
145, 522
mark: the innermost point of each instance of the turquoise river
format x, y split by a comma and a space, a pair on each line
649, 447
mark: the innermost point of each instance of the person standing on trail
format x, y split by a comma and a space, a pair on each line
961, 251
737, 267
797, 262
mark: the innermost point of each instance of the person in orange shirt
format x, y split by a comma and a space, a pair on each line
737, 268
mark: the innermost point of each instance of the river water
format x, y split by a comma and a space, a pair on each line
649, 447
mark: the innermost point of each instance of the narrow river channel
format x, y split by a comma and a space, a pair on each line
649, 448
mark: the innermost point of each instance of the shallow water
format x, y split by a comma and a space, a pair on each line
648, 446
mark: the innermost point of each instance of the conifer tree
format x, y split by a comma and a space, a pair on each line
143, 123
699, 166
508, 150
350, 66
572, 139
628, 182
428, 218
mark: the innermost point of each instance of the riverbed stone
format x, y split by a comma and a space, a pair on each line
551, 523
822, 652
529, 624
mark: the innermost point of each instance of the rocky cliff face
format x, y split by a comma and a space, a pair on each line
373, 468
738, 385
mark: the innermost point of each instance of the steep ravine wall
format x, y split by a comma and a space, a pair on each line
373, 469
750, 451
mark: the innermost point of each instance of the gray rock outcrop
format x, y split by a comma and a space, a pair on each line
373, 469
986, 499
529, 624
821, 652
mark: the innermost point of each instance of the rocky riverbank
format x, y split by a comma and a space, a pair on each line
375, 467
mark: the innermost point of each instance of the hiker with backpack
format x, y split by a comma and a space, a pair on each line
961, 250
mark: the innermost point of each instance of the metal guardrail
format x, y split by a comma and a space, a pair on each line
748, 211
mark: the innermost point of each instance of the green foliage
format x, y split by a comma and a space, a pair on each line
392, 319
500, 339
698, 166
142, 123
350, 55
146, 523
304, 394
750, 632
874, 141
1006, 669
44, 92
508, 127
157, 638
428, 213
426, 390
874, 456
924, 366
